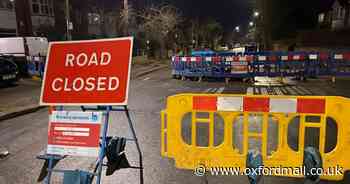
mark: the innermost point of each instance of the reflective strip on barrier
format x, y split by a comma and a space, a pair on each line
193, 59
184, 59
255, 104
262, 58
219, 130
229, 59
242, 58
313, 56
296, 57
230, 104
207, 58
284, 58
338, 56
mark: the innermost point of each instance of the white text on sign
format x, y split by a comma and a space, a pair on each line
78, 84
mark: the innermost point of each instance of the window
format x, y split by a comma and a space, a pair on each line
6, 4
35, 8
94, 18
321, 18
42, 7
340, 13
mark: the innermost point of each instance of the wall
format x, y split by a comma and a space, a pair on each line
8, 19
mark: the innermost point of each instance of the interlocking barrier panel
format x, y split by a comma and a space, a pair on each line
271, 64
219, 130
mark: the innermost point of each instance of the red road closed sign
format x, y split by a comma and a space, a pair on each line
92, 72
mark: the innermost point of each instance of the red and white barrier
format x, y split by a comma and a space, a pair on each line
260, 104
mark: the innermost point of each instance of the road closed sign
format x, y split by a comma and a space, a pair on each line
93, 72
74, 133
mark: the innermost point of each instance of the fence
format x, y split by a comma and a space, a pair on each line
271, 64
219, 130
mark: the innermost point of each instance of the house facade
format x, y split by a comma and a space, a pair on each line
14, 15
42, 14
336, 16
8, 24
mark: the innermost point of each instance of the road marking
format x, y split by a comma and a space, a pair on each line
147, 78
264, 91
298, 91
213, 90
270, 91
291, 91
278, 91
284, 91
305, 91
256, 91
220, 90
250, 91
207, 90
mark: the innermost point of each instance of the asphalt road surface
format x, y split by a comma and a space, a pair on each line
26, 136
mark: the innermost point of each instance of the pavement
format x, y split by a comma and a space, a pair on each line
26, 136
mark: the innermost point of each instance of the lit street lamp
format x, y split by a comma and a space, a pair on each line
251, 24
148, 48
237, 28
256, 14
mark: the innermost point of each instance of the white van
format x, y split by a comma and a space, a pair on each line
27, 52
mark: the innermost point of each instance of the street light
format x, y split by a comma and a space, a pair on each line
148, 48
256, 14
237, 28
251, 24
69, 25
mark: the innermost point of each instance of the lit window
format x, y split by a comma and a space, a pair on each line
321, 17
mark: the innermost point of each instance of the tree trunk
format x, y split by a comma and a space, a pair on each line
162, 49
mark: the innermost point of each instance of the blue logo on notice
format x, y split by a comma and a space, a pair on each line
94, 117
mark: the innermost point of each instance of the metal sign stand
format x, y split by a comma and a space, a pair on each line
53, 159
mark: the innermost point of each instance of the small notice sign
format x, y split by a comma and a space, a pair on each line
74, 133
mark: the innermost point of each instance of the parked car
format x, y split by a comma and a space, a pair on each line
8, 71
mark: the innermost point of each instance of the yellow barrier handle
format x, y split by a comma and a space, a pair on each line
163, 132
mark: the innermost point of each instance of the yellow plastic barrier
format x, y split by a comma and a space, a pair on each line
233, 124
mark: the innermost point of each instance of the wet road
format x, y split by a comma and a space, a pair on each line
26, 136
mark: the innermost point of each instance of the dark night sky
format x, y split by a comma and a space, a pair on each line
228, 12
237, 12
